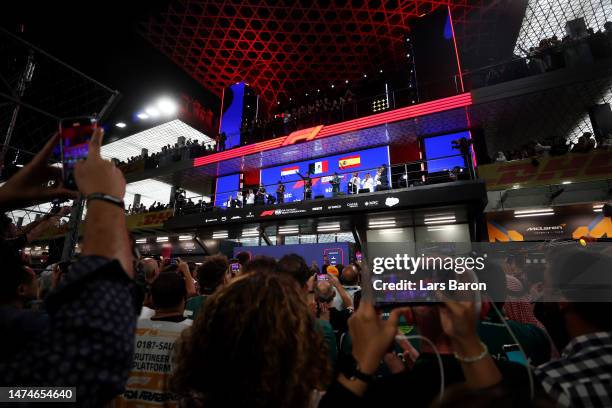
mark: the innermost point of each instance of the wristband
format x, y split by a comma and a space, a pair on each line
357, 374
108, 198
469, 360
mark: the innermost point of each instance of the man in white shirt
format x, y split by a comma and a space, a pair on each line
250, 199
368, 183
147, 382
354, 184
239, 199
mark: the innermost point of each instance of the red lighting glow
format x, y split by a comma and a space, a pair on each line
409, 112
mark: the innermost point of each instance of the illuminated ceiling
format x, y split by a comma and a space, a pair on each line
153, 139
283, 47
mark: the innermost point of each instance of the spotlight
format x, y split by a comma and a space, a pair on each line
380, 71
333, 86
120, 125
365, 75
166, 106
142, 116
152, 112
346, 81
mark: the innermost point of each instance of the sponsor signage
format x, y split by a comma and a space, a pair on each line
596, 165
504, 228
319, 132
303, 208
344, 204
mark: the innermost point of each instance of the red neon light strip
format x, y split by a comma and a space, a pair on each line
427, 108
450, 17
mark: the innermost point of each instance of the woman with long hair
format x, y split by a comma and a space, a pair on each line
254, 344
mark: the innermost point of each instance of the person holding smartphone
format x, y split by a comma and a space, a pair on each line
93, 307
233, 270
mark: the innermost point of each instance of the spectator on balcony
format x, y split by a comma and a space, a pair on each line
501, 157
584, 144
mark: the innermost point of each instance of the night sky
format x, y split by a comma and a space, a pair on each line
101, 40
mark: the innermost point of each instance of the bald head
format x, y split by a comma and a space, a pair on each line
350, 274
150, 267
324, 291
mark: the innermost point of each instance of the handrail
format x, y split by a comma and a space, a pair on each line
399, 176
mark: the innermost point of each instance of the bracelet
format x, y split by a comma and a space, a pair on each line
108, 198
469, 360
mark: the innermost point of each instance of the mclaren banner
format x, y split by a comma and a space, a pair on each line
506, 228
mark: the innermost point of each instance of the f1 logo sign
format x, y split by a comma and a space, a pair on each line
303, 134
266, 213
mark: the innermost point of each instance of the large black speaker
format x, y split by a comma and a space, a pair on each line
601, 119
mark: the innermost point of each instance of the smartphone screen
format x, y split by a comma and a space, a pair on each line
514, 354
75, 135
322, 276
235, 267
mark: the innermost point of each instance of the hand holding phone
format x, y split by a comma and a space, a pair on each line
513, 353
36, 182
75, 135
96, 175
235, 268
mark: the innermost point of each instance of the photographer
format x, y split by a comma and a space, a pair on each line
463, 145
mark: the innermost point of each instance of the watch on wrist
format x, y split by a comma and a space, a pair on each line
350, 368
108, 198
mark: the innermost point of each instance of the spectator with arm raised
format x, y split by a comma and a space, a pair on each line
88, 342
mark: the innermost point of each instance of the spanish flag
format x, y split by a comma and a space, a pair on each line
349, 161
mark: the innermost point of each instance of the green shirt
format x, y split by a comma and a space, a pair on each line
495, 335
327, 332
193, 306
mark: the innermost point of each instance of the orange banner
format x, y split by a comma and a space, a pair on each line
596, 165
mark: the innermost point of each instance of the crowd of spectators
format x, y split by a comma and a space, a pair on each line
585, 143
167, 155
127, 331
550, 54
319, 108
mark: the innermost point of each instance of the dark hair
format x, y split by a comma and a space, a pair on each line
257, 339
168, 290
534, 273
578, 273
211, 273
495, 279
13, 273
260, 264
5, 223
243, 258
294, 266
